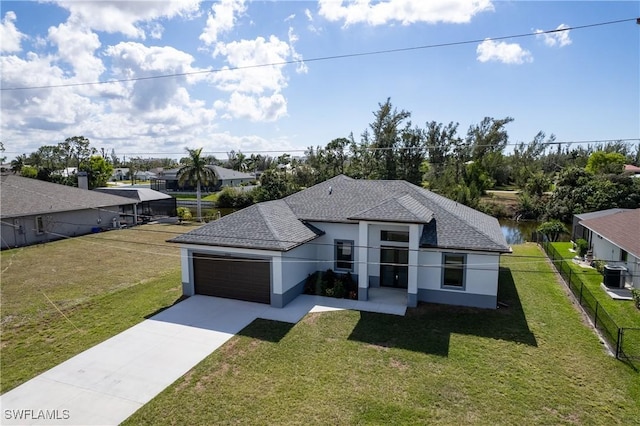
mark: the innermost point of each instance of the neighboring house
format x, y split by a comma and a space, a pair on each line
150, 204
167, 180
632, 170
384, 233
144, 175
35, 211
120, 173
614, 236
578, 231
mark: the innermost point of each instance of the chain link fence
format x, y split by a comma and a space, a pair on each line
625, 340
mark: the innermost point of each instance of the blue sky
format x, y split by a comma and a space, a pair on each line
581, 84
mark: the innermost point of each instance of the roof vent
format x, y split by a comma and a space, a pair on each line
330, 190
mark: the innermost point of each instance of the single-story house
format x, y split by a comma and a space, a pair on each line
614, 236
150, 204
35, 211
167, 180
578, 231
383, 233
120, 173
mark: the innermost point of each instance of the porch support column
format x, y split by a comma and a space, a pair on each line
276, 282
363, 261
414, 245
188, 288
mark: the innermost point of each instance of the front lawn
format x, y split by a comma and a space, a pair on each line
535, 362
63, 297
623, 312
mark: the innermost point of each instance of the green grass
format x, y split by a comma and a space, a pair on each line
102, 283
535, 362
211, 197
623, 312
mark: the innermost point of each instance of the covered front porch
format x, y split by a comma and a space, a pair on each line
388, 262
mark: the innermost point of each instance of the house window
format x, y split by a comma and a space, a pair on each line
398, 236
453, 273
623, 255
39, 225
344, 255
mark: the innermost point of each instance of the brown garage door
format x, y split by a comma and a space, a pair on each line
232, 277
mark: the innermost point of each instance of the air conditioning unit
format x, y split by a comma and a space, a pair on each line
614, 276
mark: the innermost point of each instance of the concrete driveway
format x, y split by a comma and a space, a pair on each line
109, 382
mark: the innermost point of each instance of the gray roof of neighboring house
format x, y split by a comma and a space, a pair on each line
266, 226
346, 200
139, 194
221, 173
600, 213
22, 196
622, 228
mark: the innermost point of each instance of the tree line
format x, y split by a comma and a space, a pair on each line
553, 180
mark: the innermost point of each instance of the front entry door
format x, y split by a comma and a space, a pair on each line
394, 271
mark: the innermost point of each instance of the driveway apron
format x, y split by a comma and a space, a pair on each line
109, 382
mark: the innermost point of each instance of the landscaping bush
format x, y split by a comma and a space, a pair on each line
599, 265
184, 214
636, 297
328, 283
234, 199
582, 246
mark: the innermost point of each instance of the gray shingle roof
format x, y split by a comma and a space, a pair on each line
22, 196
403, 209
282, 225
266, 226
341, 199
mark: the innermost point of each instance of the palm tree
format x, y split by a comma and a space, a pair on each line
18, 163
195, 171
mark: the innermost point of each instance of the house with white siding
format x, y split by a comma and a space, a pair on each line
383, 233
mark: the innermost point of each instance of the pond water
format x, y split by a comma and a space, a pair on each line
518, 232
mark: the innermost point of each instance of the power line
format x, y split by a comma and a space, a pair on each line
374, 149
321, 58
479, 266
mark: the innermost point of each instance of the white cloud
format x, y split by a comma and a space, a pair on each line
263, 108
290, 17
222, 18
559, 38
308, 14
80, 53
250, 56
10, 37
125, 17
135, 60
255, 85
404, 11
507, 53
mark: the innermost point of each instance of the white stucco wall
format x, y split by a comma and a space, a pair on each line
325, 244
298, 263
604, 249
481, 275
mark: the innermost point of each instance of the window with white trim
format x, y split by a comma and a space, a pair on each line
344, 255
453, 270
